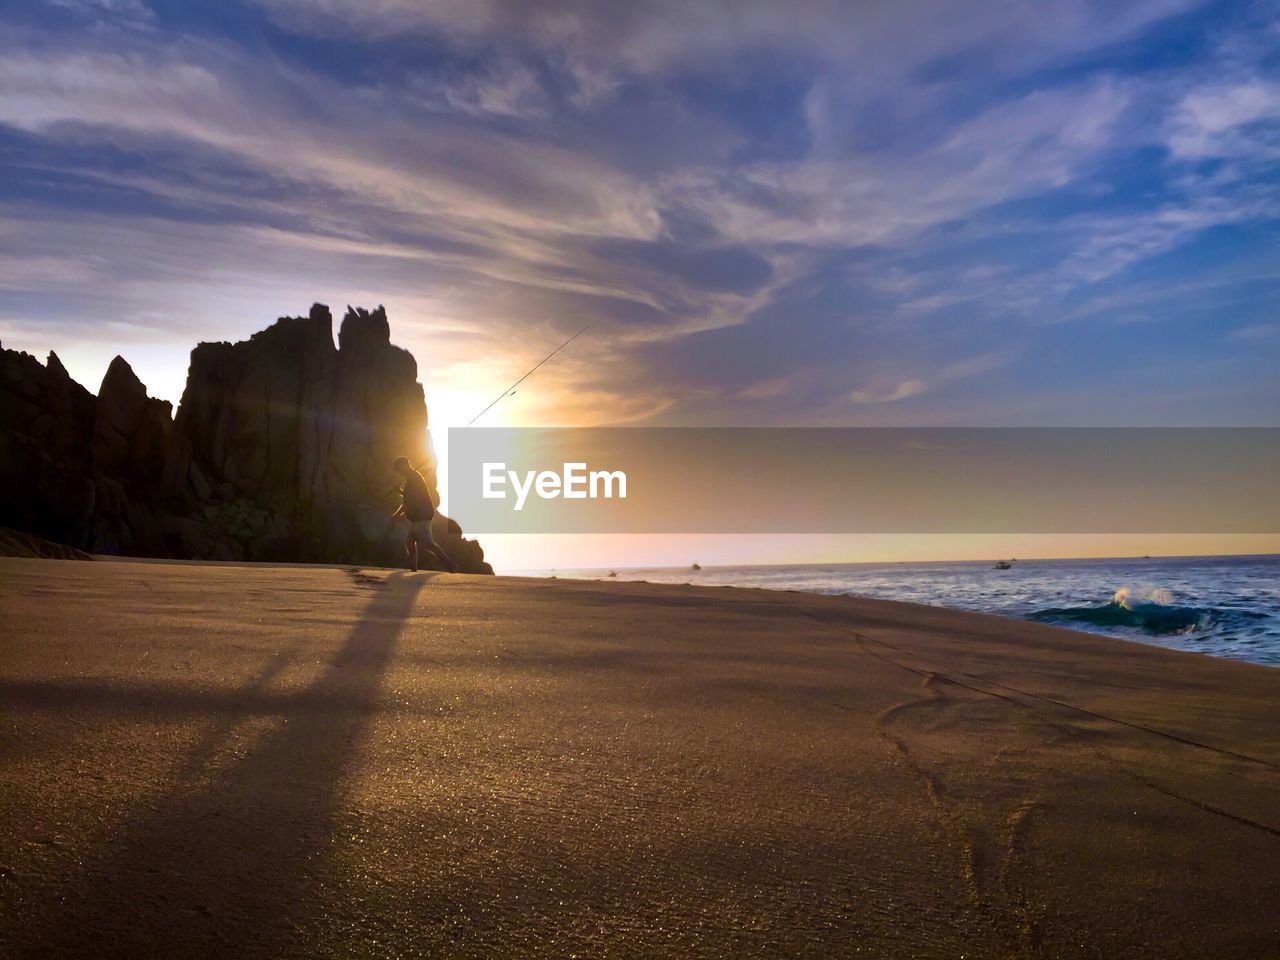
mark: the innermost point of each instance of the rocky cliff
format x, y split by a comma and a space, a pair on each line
46, 436
280, 450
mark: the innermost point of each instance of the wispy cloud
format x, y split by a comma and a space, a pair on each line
130, 12
904, 389
1239, 119
1255, 333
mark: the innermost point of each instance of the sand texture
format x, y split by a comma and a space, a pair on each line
243, 762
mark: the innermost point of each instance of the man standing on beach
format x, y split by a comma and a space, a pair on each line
418, 509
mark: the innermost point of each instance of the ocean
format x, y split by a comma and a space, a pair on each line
1222, 606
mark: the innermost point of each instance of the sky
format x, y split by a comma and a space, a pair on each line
894, 212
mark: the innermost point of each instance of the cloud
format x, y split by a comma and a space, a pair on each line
1241, 119
509, 89
1037, 142
1114, 244
1206, 113
660, 35
129, 12
1255, 333
904, 389
216, 99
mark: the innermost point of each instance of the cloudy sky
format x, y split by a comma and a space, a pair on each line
888, 212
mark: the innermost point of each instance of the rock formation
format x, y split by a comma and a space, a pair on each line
15, 544
280, 450
46, 434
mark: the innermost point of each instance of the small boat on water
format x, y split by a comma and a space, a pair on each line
696, 566
612, 573
1004, 565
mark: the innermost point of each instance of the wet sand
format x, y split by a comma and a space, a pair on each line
238, 761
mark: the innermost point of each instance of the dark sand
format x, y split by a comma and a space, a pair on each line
307, 762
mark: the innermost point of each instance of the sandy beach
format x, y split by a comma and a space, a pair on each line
252, 761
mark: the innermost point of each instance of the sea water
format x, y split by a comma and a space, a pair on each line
1224, 606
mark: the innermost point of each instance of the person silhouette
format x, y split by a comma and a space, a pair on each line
418, 509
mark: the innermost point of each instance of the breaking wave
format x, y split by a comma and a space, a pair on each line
1153, 612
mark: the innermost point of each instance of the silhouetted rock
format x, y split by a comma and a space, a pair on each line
46, 430
130, 429
14, 543
130, 445
281, 450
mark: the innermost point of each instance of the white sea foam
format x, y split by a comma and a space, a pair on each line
1143, 596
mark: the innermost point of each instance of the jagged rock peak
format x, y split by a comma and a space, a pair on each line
120, 379
55, 366
312, 331
362, 329
121, 388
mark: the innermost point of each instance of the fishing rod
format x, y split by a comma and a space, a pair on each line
512, 389
508, 392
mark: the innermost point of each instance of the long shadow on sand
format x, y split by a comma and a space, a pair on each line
232, 862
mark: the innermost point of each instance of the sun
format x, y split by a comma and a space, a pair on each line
456, 408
